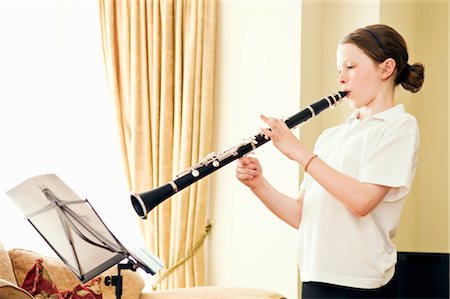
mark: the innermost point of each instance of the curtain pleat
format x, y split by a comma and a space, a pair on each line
159, 57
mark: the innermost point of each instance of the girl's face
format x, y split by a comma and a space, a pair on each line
358, 74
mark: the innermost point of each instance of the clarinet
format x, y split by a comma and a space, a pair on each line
144, 202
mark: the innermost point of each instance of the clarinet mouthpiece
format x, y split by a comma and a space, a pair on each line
343, 93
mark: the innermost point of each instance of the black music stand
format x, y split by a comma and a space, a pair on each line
75, 231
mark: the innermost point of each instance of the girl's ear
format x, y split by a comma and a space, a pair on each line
387, 68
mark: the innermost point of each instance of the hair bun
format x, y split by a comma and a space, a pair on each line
412, 76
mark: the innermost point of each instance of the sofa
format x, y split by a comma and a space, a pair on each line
24, 272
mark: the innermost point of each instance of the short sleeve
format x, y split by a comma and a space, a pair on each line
393, 161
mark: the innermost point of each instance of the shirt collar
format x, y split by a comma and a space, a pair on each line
383, 115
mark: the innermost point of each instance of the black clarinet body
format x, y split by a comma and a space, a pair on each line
144, 202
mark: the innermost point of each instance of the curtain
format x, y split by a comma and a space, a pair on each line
159, 58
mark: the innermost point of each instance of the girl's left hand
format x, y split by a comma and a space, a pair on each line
282, 137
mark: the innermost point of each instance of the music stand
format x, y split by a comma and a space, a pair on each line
74, 230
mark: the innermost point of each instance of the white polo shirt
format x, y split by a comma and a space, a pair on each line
335, 245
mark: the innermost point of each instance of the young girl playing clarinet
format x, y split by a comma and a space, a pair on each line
357, 176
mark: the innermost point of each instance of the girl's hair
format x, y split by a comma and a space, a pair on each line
381, 42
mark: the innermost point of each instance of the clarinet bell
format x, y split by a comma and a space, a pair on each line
144, 202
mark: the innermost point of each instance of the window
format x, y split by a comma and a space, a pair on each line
55, 115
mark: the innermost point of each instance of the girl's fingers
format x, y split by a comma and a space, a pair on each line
266, 133
246, 160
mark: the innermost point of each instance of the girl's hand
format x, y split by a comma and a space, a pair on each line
249, 172
282, 137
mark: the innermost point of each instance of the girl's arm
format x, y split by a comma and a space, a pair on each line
288, 209
284, 207
360, 198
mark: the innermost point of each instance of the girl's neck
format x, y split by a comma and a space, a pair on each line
383, 101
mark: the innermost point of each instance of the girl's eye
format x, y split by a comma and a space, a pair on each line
349, 67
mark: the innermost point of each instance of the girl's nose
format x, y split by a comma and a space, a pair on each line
341, 79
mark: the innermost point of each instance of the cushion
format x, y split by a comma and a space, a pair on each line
213, 292
40, 284
6, 269
90, 290
23, 260
9, 291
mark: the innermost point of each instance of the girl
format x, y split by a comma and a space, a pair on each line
356, 178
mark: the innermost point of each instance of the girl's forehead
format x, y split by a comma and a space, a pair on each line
349, 51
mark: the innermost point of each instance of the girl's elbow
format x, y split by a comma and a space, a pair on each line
363, 205
361, 210
295, 223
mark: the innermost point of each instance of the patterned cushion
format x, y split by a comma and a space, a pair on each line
39, 283
23, 260
90, 290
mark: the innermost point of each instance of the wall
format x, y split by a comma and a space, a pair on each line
433, 189
258, 72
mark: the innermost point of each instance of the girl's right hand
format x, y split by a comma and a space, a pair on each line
249, 171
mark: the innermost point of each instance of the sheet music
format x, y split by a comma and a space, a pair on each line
70, 226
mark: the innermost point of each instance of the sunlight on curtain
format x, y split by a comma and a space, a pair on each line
160, 61
55, 115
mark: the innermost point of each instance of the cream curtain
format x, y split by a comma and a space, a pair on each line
159, 57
